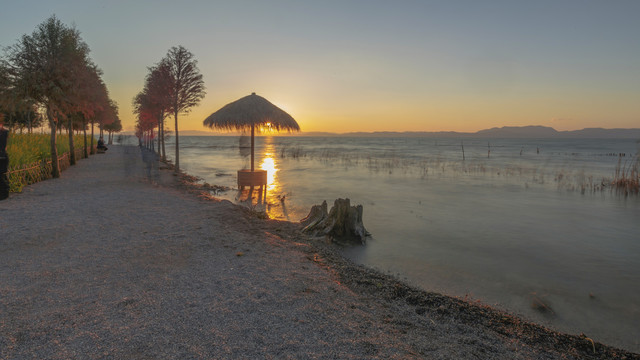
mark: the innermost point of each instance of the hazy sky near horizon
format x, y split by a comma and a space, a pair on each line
371, 65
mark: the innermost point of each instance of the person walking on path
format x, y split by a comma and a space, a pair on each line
4, 161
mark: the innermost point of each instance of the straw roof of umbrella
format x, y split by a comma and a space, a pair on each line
251, 110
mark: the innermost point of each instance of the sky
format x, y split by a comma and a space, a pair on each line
368, 65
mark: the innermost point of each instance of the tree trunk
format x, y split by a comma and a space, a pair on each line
164, 153
159, 135
177, 167
55, 165
92, 137
86, 154
29, 121
72, 153
342, 223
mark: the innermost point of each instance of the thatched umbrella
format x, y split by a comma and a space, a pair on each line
249, 112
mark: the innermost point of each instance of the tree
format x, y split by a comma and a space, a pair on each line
187, 88
92, 100
89, 97
146, 121
106, 113
158, 88
26, 117
17, 108
44, 66
114, 127
5, 87
108, 116
153, 103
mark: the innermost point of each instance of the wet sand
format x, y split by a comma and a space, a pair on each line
121, 259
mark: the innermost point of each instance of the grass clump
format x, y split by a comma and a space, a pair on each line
627, 177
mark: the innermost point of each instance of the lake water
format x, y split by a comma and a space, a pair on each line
516, 224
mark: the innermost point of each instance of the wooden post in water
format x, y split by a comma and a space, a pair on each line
462, 144
252, 132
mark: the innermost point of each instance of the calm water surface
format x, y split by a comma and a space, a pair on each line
516, 221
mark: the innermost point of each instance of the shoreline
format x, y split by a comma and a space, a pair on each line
149, 264
425, 304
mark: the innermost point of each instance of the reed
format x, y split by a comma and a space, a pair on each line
627, 177
566, 177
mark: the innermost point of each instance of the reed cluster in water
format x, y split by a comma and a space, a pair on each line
627, 177
624, 181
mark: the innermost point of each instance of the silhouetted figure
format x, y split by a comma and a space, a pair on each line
101, 145
4, 162
151, 163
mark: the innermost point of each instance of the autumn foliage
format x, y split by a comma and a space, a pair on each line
172, 87
51, 71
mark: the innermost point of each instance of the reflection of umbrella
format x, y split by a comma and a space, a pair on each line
249, 112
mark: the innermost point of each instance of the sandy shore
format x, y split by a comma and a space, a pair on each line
115, 260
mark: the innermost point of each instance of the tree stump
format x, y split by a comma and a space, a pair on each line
342, 223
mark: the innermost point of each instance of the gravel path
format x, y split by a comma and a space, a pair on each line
114, 260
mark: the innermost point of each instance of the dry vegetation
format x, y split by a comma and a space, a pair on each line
627, 177
625, 180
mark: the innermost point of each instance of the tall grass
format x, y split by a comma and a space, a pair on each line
30, 155
627, 177
24, 149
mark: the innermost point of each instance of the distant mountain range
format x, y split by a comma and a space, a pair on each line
531, 132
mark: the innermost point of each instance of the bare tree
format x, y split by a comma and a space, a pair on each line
187, 88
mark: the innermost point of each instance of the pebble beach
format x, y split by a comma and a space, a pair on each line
120, 258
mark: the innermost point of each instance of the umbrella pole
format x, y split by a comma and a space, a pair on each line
252, 129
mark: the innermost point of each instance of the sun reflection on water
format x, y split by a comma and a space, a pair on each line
269, 164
